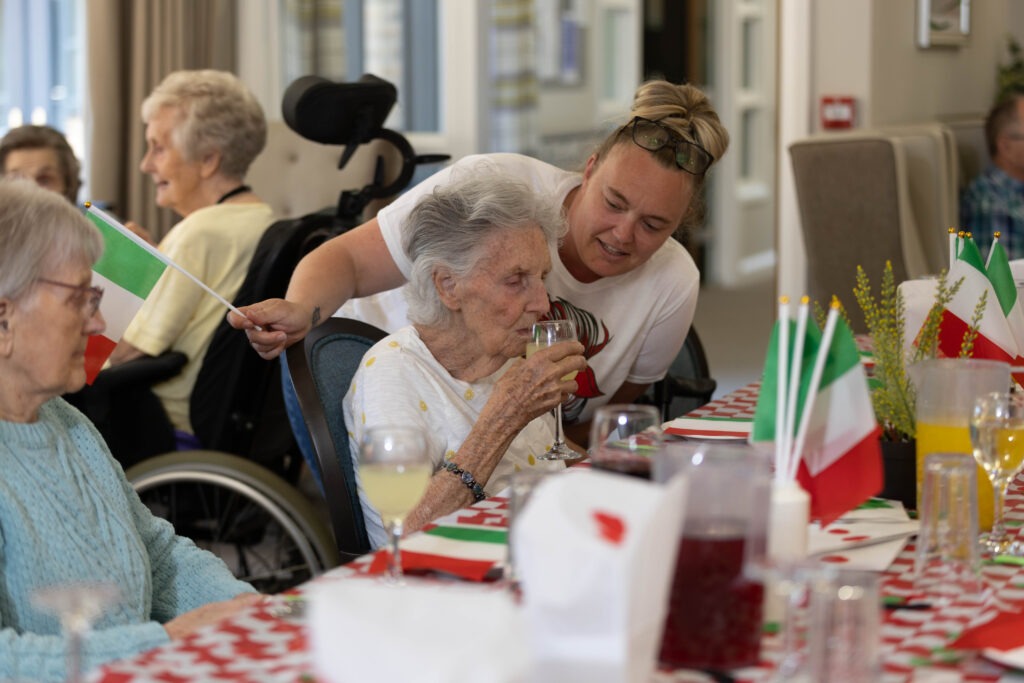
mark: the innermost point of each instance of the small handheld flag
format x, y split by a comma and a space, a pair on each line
127, 271
834, 453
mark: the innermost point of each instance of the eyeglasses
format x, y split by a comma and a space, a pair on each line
654, 135
91, 295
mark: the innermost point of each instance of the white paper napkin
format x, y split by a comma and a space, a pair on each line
596, 553
858, 536
368, 630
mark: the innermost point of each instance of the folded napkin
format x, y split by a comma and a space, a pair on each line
709, 427
869, 537
368, 630
467, 552
595, 553
1004, 632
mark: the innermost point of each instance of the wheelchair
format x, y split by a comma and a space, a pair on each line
237, 494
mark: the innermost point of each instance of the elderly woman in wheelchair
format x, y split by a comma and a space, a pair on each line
67, 513
480, 249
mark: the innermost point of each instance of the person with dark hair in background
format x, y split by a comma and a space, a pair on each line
994, 201
43, 155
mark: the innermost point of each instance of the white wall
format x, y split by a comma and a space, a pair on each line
869, 50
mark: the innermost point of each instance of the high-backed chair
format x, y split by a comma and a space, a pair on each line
688, 384
321, 368
855, 209
972, 150
931, 161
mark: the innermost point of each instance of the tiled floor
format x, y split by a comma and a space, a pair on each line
734, 326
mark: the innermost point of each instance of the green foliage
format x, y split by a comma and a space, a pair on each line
892, 394
1010, 77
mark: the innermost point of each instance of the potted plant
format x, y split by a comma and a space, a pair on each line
892, 393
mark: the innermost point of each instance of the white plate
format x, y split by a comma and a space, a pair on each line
1012, 658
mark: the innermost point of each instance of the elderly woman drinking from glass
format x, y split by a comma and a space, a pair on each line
480, 249
67, 513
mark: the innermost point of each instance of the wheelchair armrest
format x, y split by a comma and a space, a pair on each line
146, 370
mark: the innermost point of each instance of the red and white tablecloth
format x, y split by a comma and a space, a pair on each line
260, 647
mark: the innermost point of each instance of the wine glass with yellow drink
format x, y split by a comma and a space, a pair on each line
394, 471
548, 333
997, 435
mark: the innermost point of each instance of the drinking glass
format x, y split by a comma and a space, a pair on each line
716, 595
625, 438
77, 605
548, 333
997, 437
394, 470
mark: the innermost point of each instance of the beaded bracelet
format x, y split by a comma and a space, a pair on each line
466, 478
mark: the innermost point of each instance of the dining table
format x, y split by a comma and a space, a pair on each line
268, 642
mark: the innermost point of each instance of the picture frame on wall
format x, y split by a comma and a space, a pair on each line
943, 23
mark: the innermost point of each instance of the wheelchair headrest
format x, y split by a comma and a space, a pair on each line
349, 114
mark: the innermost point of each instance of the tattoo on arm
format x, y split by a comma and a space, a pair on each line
316, 316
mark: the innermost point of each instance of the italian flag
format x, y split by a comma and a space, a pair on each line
1001, 277
995, 339
840, 462
127, 272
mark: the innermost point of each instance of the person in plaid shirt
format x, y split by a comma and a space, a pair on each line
994, 201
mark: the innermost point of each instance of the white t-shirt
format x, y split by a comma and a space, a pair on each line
632, 325
400, 382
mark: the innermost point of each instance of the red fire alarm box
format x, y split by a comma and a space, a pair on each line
837, 111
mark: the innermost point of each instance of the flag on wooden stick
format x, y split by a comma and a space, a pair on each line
127, 272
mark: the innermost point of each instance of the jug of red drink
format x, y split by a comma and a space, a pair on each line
715, 601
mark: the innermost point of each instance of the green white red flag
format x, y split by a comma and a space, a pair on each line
127, 272
995, 339
1001, 277
840, 462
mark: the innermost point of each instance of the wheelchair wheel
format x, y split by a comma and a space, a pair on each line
263, 528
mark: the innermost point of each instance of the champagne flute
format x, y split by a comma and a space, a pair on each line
624, 439
77, 605
997, 437
394, 470
548, 333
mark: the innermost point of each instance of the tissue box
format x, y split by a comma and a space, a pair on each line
596, 553
369, 630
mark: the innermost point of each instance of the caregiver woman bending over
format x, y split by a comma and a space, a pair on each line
480, 250
630, 289
67, 513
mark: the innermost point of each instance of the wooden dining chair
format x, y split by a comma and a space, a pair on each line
322, 368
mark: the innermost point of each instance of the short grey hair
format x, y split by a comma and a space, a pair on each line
40, 232
449, 227
219, 114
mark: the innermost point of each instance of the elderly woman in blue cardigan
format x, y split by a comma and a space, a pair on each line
67, 513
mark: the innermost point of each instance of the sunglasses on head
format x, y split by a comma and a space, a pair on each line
654, 135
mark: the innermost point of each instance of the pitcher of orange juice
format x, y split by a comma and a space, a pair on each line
946, 391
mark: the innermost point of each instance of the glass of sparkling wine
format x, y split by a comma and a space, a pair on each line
394, 470
548, 333
78, 605
997, 438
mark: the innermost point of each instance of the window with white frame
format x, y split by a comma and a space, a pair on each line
341, 39
42, 57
